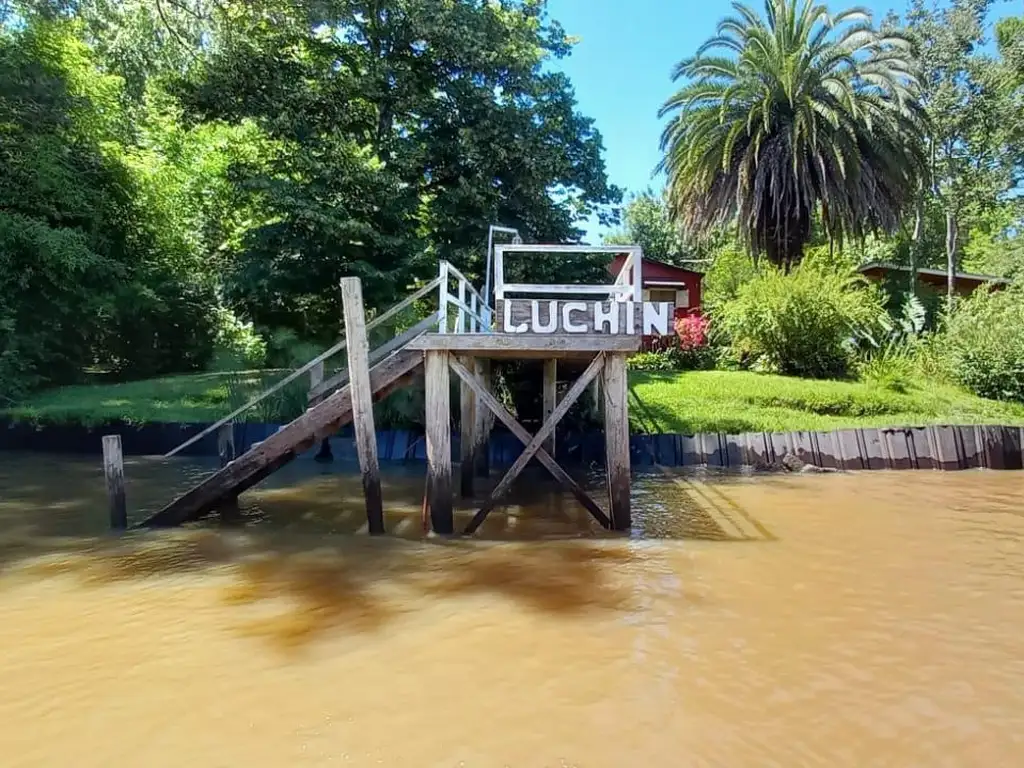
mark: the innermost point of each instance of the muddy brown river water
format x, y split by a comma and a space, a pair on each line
871, 619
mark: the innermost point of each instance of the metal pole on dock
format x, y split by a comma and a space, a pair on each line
113, 472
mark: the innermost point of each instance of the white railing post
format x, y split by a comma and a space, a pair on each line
474, 325
638, 276
442, 324
460, 323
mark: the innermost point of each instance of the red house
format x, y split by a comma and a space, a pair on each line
664, 282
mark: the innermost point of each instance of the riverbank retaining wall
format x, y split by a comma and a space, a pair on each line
934, 447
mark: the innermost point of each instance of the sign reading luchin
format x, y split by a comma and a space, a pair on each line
607, 317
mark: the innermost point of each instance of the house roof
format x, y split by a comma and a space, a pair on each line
655, 272
882, 266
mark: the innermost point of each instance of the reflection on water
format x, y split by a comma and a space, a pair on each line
798, 620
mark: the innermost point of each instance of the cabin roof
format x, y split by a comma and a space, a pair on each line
658, 272
880, 267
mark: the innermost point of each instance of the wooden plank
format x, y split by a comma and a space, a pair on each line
281, 447
545, 248
484, 421
341, 379
467, 430
616, 440
595, 289
488, 400
550, 394
439, 447
497, 345
362, 400
544, 316
113, 473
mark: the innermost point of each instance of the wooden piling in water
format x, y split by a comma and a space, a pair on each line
616, 437
549, 398
113, 472
468, 441
484, 420
362, 400
226, 443
439, 448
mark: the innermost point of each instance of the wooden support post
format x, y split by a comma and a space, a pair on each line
113, 471
362, 400
316, 380
533, 445
468, 441
484, 421
439, 446
226, 443
550, 396
616, 438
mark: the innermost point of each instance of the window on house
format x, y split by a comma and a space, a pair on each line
663, 294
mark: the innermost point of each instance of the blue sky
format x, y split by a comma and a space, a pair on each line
621, 69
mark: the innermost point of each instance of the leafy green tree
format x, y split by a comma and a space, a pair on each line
972, 126
791, 115
646, 222
406, 128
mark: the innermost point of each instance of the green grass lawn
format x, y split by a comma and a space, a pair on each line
738, 401
201, 397
697, 401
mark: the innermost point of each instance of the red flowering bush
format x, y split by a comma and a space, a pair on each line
692, 331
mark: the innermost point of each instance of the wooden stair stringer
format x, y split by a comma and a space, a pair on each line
320, 421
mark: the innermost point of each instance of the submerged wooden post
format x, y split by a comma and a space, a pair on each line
316, 378
468, 441
226, 443
362, 400
550, 395
616, 438
484, 421
113, 472
439, 446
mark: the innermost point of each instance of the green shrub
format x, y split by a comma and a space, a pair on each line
982, 344
652, 361
806, 323
237, 345
892, 366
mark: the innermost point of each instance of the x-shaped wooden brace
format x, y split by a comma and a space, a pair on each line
533, 445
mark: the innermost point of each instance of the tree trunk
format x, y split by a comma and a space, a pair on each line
951, 243
915, 242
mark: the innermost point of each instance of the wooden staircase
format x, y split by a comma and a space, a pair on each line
330, 400
280, 448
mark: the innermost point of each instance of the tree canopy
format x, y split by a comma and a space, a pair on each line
173, 164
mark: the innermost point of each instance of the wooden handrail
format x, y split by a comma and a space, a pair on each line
376, 355
340, 345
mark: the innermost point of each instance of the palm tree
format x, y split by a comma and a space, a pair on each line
784, 118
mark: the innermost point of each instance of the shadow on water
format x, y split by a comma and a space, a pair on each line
297, 566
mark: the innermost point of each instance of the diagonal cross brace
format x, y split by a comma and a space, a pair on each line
533, 444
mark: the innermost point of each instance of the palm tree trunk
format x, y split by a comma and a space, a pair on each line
951, 241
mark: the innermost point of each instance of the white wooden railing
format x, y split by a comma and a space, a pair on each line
628, 285
473, 314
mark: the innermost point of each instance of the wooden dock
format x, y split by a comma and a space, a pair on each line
593, 328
